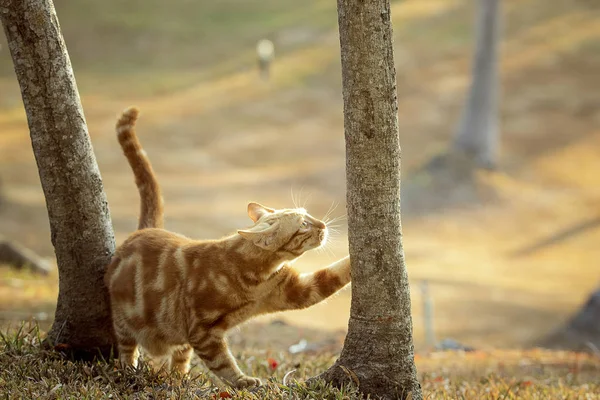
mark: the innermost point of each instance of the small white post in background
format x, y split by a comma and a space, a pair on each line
427, 314
265, 49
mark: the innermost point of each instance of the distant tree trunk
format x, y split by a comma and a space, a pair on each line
478, 131
81, 229
378, 351
581, 332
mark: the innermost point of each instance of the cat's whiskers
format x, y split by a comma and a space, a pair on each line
334, 205
335, 231
299, 197
294, 202
306, 201
331, 222
326, 246
330, 239
331, 209
338, 218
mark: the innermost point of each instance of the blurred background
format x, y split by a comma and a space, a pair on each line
507, 254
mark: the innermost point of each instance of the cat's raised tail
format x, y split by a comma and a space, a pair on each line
151, 201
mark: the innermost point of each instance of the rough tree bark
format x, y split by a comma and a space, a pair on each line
478, 130
378, 351
81, 229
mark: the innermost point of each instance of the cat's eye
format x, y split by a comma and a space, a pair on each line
305, 224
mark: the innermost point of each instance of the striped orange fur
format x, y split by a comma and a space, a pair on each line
173, 296
151, 201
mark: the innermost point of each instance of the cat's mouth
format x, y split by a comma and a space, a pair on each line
322, 237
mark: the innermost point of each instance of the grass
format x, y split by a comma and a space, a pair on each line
37, 373
24, 294
30, 372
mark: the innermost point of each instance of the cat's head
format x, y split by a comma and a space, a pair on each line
290, 230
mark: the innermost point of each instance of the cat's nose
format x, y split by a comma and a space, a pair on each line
319, 224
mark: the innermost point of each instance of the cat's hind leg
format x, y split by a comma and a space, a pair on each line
128, 354
180, 359
159, 363
127, 346
215, 353
158, 352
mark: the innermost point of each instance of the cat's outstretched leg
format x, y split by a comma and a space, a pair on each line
216, 355
298, 291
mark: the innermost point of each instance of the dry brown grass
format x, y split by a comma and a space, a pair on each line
30, 372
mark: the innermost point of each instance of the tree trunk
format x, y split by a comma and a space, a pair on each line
80, 224
478, 130
378, 351
581, 332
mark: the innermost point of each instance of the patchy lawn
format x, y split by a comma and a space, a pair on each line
29, 372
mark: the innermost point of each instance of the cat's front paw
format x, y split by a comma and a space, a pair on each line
245, 381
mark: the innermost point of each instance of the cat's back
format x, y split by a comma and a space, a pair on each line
146, 249
151, 239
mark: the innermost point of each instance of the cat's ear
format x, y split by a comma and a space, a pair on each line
255, 211
263, 235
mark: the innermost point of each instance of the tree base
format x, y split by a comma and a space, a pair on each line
582, 332
447, 180
458, 164
81, 336
378, 359
371, 382
105, 353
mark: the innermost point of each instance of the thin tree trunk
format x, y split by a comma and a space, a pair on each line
478, 131
581, 332
80, 224
378, 351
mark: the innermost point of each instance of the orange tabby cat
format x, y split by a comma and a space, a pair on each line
173, 296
